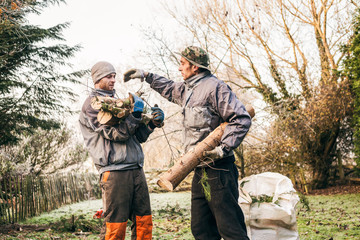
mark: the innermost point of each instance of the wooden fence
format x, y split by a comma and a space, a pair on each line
27, 196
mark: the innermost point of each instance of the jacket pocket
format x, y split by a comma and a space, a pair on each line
116, 152
129, 152
197, 117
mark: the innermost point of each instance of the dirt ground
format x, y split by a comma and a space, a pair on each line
341, 189
8, 228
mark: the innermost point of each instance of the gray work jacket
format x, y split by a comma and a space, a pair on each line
114, 147
206, 103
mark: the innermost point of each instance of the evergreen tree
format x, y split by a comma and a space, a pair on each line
352, 71
32, 90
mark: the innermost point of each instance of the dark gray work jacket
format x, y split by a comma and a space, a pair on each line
114, 147
206, 103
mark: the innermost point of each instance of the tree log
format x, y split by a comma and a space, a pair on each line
170, 179
112, 110
107, 118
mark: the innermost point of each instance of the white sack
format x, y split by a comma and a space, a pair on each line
275, 220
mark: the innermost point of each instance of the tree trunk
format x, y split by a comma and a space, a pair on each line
340, 167
322, 168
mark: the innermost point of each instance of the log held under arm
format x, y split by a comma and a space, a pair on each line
170, 179
173, 177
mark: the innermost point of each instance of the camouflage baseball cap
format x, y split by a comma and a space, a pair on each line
197, 56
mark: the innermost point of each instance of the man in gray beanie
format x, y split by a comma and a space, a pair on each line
100, 70
119, 158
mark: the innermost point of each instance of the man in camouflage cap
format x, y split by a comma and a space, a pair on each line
207, 102
196, 56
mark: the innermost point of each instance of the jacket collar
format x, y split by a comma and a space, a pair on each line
103, 93
194, 80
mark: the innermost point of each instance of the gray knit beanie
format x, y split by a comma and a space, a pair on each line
100, 70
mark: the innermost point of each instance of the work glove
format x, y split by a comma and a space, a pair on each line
214, 154
138, 104
134, 73
158, 116
99, 214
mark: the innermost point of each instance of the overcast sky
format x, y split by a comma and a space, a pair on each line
107, 30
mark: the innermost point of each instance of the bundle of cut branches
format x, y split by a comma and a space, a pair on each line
114, 110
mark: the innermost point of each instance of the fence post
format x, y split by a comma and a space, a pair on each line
22, 197
3, 204
7, 200
17, 193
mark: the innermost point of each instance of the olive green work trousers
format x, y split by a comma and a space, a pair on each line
125, 196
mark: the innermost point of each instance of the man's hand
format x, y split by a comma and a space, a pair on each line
138, 104
134, 73
214, 154
158, 116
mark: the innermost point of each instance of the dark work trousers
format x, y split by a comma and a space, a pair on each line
125, 196
221, 217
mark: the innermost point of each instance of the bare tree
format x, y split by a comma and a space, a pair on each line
289, 52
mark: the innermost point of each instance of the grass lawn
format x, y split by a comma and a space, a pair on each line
330, 217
